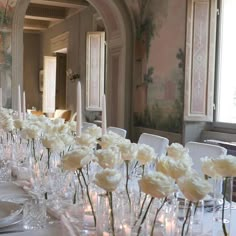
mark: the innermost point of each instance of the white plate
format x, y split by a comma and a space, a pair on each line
19, 198
15, 220
9, 213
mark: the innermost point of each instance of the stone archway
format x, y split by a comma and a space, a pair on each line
119, 62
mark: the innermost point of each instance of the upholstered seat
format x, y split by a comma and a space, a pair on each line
64, 114
36, 113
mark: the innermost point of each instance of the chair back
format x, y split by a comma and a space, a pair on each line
73, 117
158, 143
119, 131
198, 150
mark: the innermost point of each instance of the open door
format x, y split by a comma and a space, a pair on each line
49, 84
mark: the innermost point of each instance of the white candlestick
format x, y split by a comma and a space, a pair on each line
79, 110
104, 115
24, 107
0, 97
19, 102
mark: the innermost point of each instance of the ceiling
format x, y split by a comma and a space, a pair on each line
42, 14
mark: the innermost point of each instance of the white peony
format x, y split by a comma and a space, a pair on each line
157, 185
194, 187
108, 179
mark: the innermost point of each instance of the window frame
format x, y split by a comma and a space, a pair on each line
217, 124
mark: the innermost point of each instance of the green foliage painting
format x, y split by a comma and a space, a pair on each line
155, 118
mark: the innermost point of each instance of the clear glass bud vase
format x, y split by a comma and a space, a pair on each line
222, 209
109, 222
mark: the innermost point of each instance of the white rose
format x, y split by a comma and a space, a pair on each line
58, 121
110, 139
77, 159
225, 165
208, 167
128, 150
172, 168
145, 154
8, 125
157, 185
54, 143
31, 132
94, 131
18, 124
62, 128
177, 151
72, 126
86, 140
194, 187
108, 158
108, 179
67, 139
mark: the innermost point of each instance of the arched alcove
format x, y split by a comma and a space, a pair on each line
120, 40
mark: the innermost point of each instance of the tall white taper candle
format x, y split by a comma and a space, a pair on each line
0, 97
104, 115
24, 107
19, 102
79, 110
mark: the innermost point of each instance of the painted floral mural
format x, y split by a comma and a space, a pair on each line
6, 16
160, 39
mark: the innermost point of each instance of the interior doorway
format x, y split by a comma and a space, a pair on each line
61, 62
120, 40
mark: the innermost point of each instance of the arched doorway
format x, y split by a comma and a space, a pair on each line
120, 40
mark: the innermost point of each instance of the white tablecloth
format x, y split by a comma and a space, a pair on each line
56, 229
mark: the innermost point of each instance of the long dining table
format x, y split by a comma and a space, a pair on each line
11, 191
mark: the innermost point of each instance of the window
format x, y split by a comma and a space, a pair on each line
226, 62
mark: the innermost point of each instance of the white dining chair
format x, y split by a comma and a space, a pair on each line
85, 125
198, 150
119, 131
158, 143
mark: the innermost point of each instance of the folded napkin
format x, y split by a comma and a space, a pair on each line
20, 173
69, 227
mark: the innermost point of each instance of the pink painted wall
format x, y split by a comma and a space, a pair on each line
6, 15
164, 96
